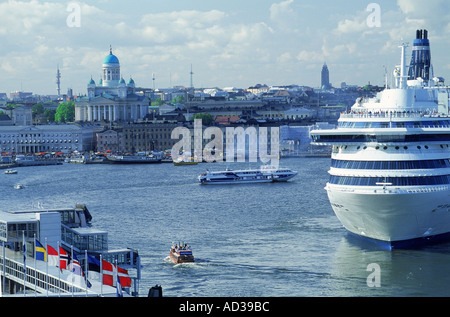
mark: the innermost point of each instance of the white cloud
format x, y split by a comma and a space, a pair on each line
352, 26
283, 41
283, 15
310, 57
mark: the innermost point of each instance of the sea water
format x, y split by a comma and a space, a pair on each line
252, 240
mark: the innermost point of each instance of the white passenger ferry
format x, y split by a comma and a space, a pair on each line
266, 174
390, 168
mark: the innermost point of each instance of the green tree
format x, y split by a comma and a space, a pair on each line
65, 112
207, 118
178, 99
158, 102
50, 115
37, 109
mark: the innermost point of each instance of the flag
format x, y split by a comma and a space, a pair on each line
41, 253
118, 287
94, 269
24, 255
124, 278
52, 256
63, 259
74, 266
109, 272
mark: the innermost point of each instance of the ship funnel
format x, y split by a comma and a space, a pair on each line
420, 66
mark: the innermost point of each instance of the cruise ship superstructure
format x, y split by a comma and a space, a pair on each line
390, 169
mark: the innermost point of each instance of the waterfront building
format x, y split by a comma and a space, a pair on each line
19, 115
111, 140
136, 137
111, 99
298, 113
21, 96
5, 120
47, 138
22, 115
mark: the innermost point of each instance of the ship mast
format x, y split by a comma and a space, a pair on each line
403, 74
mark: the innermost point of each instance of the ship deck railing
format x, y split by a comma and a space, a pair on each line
43, 280
391, 114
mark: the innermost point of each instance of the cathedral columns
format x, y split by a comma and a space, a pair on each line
90, 114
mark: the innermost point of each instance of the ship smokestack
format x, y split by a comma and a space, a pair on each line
420, 66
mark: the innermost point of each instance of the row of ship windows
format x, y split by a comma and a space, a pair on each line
411, 124
394, 181
381, 138
390, 165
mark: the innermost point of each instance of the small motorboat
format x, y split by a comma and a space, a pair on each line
181, 254
10, 171
19, 186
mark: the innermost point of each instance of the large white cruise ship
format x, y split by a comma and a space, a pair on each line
390, 169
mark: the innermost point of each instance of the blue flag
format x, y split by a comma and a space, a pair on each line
118, 287
41, 253
24, 257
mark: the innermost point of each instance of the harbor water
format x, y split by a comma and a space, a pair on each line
249, 240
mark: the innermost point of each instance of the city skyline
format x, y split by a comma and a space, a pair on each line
236, 44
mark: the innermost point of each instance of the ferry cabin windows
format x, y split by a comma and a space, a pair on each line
15, 231
365, 138
395, 181
394, 124
390, 165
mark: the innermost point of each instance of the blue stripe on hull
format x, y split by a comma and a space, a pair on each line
366, 242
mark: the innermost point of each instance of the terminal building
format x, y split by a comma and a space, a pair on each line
22, 272
47, 138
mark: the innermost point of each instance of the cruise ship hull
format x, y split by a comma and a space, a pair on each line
394, 216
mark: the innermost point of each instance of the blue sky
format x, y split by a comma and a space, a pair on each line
229, 43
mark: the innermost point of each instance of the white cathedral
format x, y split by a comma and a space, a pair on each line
112, 99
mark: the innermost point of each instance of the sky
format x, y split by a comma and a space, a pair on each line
233, 43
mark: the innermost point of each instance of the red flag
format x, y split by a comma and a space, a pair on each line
109, 272
63, 259
52, 256
124, 278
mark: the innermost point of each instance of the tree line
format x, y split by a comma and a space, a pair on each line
65, 112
